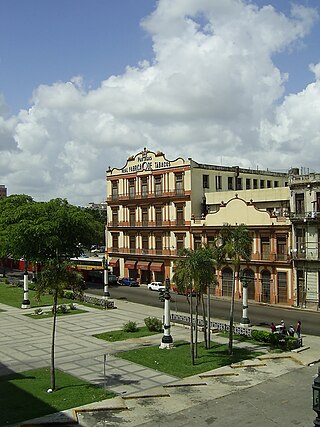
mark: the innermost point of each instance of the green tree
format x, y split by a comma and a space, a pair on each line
55, 277
194, 270
237, 246
49, 233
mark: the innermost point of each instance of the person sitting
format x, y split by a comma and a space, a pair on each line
291, 331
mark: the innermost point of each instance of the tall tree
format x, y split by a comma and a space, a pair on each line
194, 269
237, 246
49, 233
55, 277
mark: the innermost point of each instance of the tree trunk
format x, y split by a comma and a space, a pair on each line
208, 344
196, 325
204, 319
191, 328
52, 371
232, 312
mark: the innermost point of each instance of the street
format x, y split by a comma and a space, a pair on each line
259, 314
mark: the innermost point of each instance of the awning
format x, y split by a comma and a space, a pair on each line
114, 262
131, 264
143, 265
156, 266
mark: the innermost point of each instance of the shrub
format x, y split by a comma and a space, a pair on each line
31, 286
153, 324
130, 327
292, 343
72, 306
261, 336
68, 294
63, 308
38, 311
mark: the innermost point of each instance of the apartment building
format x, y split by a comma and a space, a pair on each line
3, 190
305, 218
156, 206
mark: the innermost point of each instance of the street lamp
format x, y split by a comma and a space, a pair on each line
26, 301
106, 293
245, 319
316, 398
167, 341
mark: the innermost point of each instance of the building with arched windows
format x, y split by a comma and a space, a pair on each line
156, 206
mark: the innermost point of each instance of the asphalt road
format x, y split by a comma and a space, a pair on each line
259, 314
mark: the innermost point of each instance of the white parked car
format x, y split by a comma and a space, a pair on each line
156, 286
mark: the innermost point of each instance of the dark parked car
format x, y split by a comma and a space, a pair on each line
128, 281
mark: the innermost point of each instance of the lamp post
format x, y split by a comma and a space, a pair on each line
26, 301
106, 293
316, 398
245, 319
167, 341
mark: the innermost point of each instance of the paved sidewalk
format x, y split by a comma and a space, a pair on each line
142, 392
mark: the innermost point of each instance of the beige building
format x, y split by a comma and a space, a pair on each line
156, 206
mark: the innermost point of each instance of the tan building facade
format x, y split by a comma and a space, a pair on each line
156, 206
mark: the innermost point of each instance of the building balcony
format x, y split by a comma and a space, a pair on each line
142, 252
124, 198
305, 216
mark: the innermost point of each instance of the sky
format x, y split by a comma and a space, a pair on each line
84, 84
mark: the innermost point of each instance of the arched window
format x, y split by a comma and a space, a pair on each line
227, 281
265, 277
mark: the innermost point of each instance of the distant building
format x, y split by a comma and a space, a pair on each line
157, 206
3, 191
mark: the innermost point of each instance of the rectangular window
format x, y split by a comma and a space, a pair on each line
132, 192
230, 183
179, 184
261, 183
299, 203
255, 184
205, 181
144, 186
132, 243
218, 182
282, 287
318, 202
239, 183
115, 242
197, 242
132, 217
265, 247
301, 242
115, 220
276, 184
281, 248
180, 241
158, 185
158, 215
115, 194
145, 218
248, 184
268, 183
145, 243
180, 214
158, 244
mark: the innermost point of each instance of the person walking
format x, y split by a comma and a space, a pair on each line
298, 329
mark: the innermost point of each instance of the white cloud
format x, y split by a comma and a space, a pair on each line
211, 92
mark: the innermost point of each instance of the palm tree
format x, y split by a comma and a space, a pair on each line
56, 277
194, 269
237, 246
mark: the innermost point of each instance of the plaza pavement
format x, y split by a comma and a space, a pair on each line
146, 396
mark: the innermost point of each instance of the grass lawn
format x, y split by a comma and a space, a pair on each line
48, 314
13, 295
23, 396
177, 361
113, 336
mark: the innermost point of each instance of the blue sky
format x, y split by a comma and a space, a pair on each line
44, 41
84, 84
